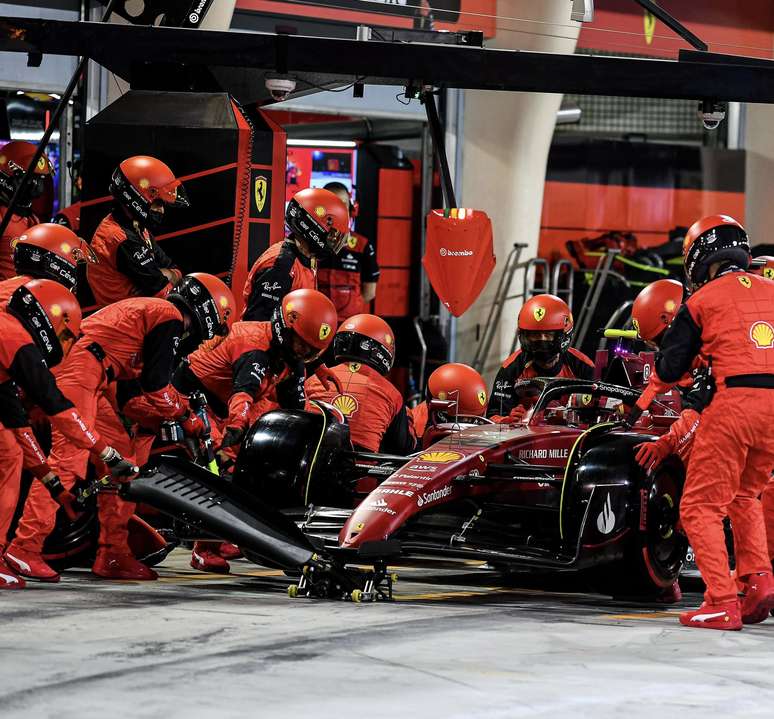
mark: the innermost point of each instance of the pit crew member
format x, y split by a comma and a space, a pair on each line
730, 317
134, 339
131, 263
350, 277
545, 331
38, 326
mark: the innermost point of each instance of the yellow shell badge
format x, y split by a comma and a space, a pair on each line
539, 313
346, 404
670, 305
261, 186
325, 330
440, 457
745, 282
762, 335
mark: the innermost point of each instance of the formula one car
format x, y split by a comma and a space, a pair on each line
558, 492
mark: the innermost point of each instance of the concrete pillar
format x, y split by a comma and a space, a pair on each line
759, 173
506, 140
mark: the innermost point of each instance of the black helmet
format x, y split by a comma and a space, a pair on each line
713, 239
367, 339
208, 300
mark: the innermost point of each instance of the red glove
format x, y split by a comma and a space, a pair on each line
651, 454
327, 378
192, 425
516, 415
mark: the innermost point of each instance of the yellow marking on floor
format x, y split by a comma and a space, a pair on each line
433, 596
172, 578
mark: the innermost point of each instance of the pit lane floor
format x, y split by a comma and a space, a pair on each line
457, 643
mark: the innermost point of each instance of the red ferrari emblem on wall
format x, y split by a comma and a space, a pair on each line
459, 256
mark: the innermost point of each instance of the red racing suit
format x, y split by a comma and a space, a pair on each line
129, 263
419, 416
18, 225
378, 420
731, 320
279, 270
22, 366
518, 366
9, 286
341, 278
70, 217
240, 370
134, 339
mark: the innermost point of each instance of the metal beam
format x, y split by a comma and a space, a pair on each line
122, 47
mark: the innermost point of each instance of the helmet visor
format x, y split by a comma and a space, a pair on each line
172, 194
83, 254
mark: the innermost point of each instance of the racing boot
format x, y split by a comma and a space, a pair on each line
113, 564
205, 558
758, 599
725, 616
8, 578
29, 564
229, 551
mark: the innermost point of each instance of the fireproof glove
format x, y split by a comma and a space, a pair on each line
517, 414
65, 499
232, 436
119, 467
651, 454
327, 378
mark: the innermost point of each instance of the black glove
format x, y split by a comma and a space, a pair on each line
64, 499
232, 436
631, 419
118, 466
698, 396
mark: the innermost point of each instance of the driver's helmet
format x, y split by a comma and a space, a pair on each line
460, 383
545, 327
655, 308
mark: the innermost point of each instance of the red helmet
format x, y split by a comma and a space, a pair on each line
656, 307
52, 252
455, 381
208, 300
763, 265
319, 218
367, 339
303, 324
15, 157
51, 314
541, 315
140, 181
717, 238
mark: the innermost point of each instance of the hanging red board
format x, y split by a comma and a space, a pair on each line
459, 256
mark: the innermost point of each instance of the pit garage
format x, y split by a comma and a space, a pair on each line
407, 358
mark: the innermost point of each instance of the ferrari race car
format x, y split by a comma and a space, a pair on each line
559, 492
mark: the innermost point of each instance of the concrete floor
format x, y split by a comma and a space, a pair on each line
455, 644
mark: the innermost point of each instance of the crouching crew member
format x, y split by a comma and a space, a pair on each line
134, 339
131, 263
455, 382
38, 327
730, 318
545, 332
349, 278
14, 159
255, 359
378, 419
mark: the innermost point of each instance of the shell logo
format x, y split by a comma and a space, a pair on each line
670, 305
762, 335
144, 183
346, 404
539, 313
745, 282
56, 310
440, 457
325, 330
65, 247
319, 211
481, 397
289, 307
388, 340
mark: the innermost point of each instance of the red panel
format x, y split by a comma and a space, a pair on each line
395, 193
278, 159
394, 247
392, 295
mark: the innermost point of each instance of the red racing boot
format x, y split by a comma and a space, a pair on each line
29, 564
726, 616
758, 599
229, 551
8, 578
205, 558
112, 564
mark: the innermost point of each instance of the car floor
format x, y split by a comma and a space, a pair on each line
457, 643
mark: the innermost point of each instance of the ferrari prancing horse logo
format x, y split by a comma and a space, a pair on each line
745, 281
261, 187
325, 330
539, 313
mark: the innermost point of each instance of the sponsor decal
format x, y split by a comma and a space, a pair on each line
434, 496
481, 397
261, 187
401, 483
325, 330
560, 453
455, 253
379, 505
346, 404
539, 313
606, 518
319, 211
271, 286
440, 457
586, 399
646, 370
745, 282
402, 475
394, 490
422, 468
762, 335
768, 273
351, 242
